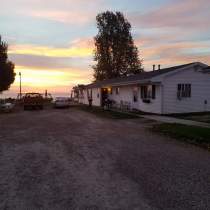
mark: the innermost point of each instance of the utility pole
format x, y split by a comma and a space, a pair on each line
20, 93
46, 94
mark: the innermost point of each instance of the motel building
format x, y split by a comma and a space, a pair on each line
178, 89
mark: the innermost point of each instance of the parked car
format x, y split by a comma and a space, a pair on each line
7, 107
61, 102
33, 101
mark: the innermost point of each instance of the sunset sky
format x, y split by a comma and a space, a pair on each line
51, 41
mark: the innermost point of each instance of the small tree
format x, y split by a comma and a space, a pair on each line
115, 52
7, 75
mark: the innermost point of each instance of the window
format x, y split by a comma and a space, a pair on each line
135, 94
117, 90
148, 92
183, 91
143, 92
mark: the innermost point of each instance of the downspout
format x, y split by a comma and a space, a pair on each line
162, 98
101, 92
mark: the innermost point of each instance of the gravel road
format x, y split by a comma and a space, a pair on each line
70, 159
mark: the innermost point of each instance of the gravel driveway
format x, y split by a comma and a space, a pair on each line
70, 159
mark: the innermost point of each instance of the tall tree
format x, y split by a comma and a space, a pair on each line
7, 75
115, 52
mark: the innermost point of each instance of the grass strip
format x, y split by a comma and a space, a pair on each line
107, 113
190, 134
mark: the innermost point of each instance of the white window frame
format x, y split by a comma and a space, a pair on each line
117, 90
184, 90
150, 92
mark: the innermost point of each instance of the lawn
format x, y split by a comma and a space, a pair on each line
107, 113
191, 134
200, 117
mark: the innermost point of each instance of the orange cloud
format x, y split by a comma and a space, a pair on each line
60, 80
51, 51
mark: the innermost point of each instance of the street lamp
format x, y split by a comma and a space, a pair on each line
20, 93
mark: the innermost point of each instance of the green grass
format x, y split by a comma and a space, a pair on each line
199, 117
191, 134
98, 111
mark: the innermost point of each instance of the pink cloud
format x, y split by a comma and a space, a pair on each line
174, 54
83, 43
185, 14
63, 16
65, 11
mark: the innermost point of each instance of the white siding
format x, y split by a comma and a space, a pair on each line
200, 88
155, 105
126, 94
82, 97
166, 101
96, 96
85, 101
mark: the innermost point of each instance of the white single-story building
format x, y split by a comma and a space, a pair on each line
178, 89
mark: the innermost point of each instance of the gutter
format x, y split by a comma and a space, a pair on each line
140, 82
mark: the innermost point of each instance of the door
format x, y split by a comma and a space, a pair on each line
104, 96
135, 103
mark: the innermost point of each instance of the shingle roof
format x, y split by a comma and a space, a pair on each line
137, 77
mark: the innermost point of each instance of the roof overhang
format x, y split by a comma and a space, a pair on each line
152, 78
137, 83
206, 70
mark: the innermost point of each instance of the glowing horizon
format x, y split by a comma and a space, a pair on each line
45, 79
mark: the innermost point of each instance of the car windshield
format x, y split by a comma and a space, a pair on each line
61, 99
34, 95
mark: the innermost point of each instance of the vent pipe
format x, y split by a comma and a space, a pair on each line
153, 67
159, 67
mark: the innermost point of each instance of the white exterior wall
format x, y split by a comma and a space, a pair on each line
200, 91
126, 94
81, 100
96, 96
85, 100
155, 105
166, 101
82, 97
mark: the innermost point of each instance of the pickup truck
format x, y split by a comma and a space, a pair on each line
33, 101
